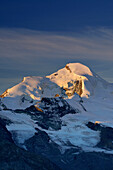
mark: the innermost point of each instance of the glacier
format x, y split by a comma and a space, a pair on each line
61, 105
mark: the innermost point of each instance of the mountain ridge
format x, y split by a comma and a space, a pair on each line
77, 70
63, 117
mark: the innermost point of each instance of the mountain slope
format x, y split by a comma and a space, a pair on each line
63, 116
76, 77
13, 157
30, 90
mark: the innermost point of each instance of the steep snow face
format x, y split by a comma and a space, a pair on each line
30, 90
35, 87
76, 77
79, 69
21, 125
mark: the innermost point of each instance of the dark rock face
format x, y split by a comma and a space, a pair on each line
75, 158
44, 154
53, 106
106, 135
56, 106
72, 158
53, 109
14, 158
49, 113
40, 143
4, 133
92, 161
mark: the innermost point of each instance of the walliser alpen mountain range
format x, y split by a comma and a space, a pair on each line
61, 121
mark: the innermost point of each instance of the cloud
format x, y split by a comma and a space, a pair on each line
27, 44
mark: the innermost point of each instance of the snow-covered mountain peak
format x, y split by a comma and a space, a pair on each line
30, 90
74, 78
79, 69
39, 105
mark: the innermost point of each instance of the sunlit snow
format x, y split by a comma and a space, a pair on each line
97, 99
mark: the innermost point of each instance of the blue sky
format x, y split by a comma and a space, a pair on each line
56, 15
38, 37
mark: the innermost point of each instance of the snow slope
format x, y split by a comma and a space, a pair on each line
73, 78
30, 90
74, 74
96, 93
95, 105
22, 126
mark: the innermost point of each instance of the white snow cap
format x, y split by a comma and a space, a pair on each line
74, 73
79, 69
74, 78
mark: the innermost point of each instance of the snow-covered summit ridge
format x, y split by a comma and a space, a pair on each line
74, 78
30, 90
35, 87
95, 106
79, 69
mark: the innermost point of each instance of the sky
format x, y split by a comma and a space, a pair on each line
38, 37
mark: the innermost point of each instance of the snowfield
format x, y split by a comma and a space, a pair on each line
81, 88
